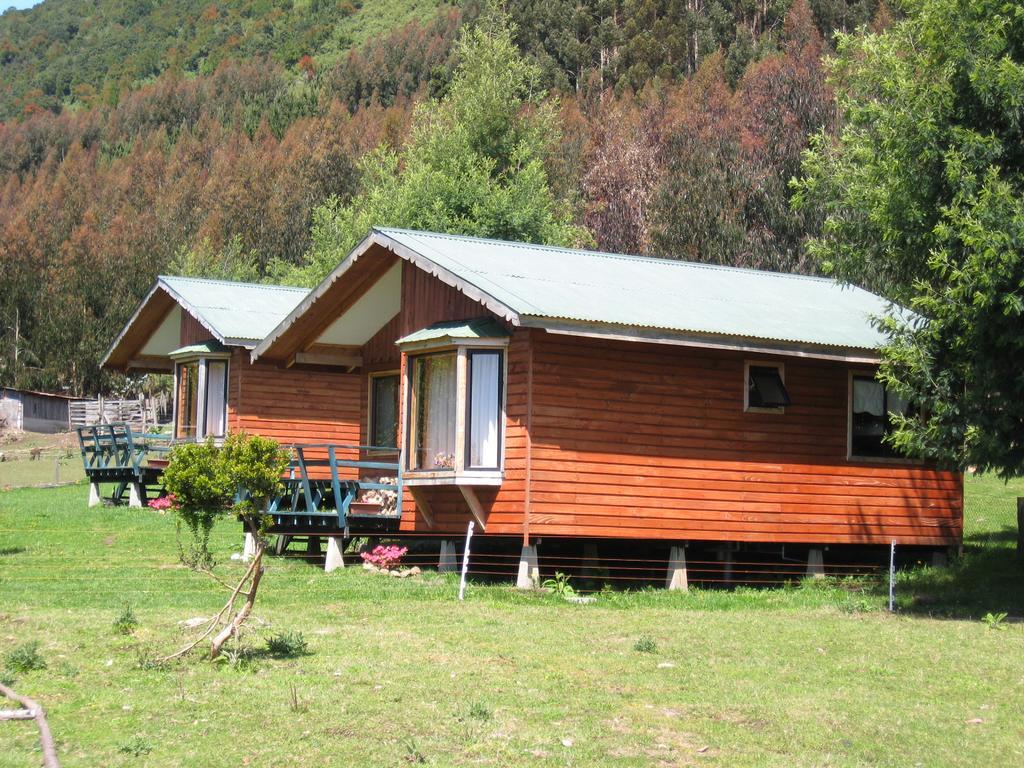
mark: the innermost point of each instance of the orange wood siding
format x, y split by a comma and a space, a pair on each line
294, 405
651, 441
192, 331
426, 300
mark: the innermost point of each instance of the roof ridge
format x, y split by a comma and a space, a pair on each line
236, 283
664, 260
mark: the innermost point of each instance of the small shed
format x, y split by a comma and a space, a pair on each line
31, 411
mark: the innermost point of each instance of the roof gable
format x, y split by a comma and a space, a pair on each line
235, 314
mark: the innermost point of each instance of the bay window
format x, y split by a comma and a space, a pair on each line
201, 393
433, 428
455, 405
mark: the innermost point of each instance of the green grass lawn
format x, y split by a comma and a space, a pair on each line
399, 672
59, 460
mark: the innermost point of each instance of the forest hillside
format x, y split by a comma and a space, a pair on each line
140, 138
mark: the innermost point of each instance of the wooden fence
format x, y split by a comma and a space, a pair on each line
141, 413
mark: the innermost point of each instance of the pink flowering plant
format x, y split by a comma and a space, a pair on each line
164, 503
385, 558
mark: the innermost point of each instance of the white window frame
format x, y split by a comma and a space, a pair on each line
850, 455
747, 364
460, 474
202, 362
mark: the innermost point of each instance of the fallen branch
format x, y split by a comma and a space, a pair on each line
17, 714
215, 621
45, 736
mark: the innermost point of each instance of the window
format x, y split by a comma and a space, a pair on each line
201, 398
215, 416
188, 386
766, 388
384, 410
870, 406
484, 409
434, 405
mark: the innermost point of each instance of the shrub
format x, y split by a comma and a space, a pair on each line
287, 645
478, 710
136, 747
645, 644
385, 558
560, 585
202, 490
126, 622
24, 658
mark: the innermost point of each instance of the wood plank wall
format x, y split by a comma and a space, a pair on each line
192, 331
651, 441
294, 405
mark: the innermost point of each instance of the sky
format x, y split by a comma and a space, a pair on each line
19, 4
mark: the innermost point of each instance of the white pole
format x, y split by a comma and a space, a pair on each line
892, 575
465, 562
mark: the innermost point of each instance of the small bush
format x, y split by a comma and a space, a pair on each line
136, 747
385, 558
994, 620
560, 585
645, 644
478, 710
126, 622
24, 658
7, 678
287, 645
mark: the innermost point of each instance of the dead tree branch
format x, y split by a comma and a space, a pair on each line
37, 714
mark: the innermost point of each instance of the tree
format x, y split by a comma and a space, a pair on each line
474, 162
923, 197
206, 482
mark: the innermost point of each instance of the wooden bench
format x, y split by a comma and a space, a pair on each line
111, 453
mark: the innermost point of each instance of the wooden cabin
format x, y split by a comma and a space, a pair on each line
547, 392
202, 332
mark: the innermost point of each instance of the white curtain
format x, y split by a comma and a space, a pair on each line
868, 397
437, 412
216, 376
484, 409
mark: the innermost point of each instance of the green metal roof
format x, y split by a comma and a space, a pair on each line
543, 286
238, 314
484, 328
211, 347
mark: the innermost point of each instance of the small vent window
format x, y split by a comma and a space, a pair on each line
765, 387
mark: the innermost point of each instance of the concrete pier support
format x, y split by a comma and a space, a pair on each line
448, 560
676, 577
725, 556
281, 544
335, 554
529, 569
591, 565
816, 563
134, 495
94, 494
249, 548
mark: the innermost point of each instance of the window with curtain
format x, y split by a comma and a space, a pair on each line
384, 410
216, 398
871, 405
484, 404
202, 410
434, 396
188, 401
